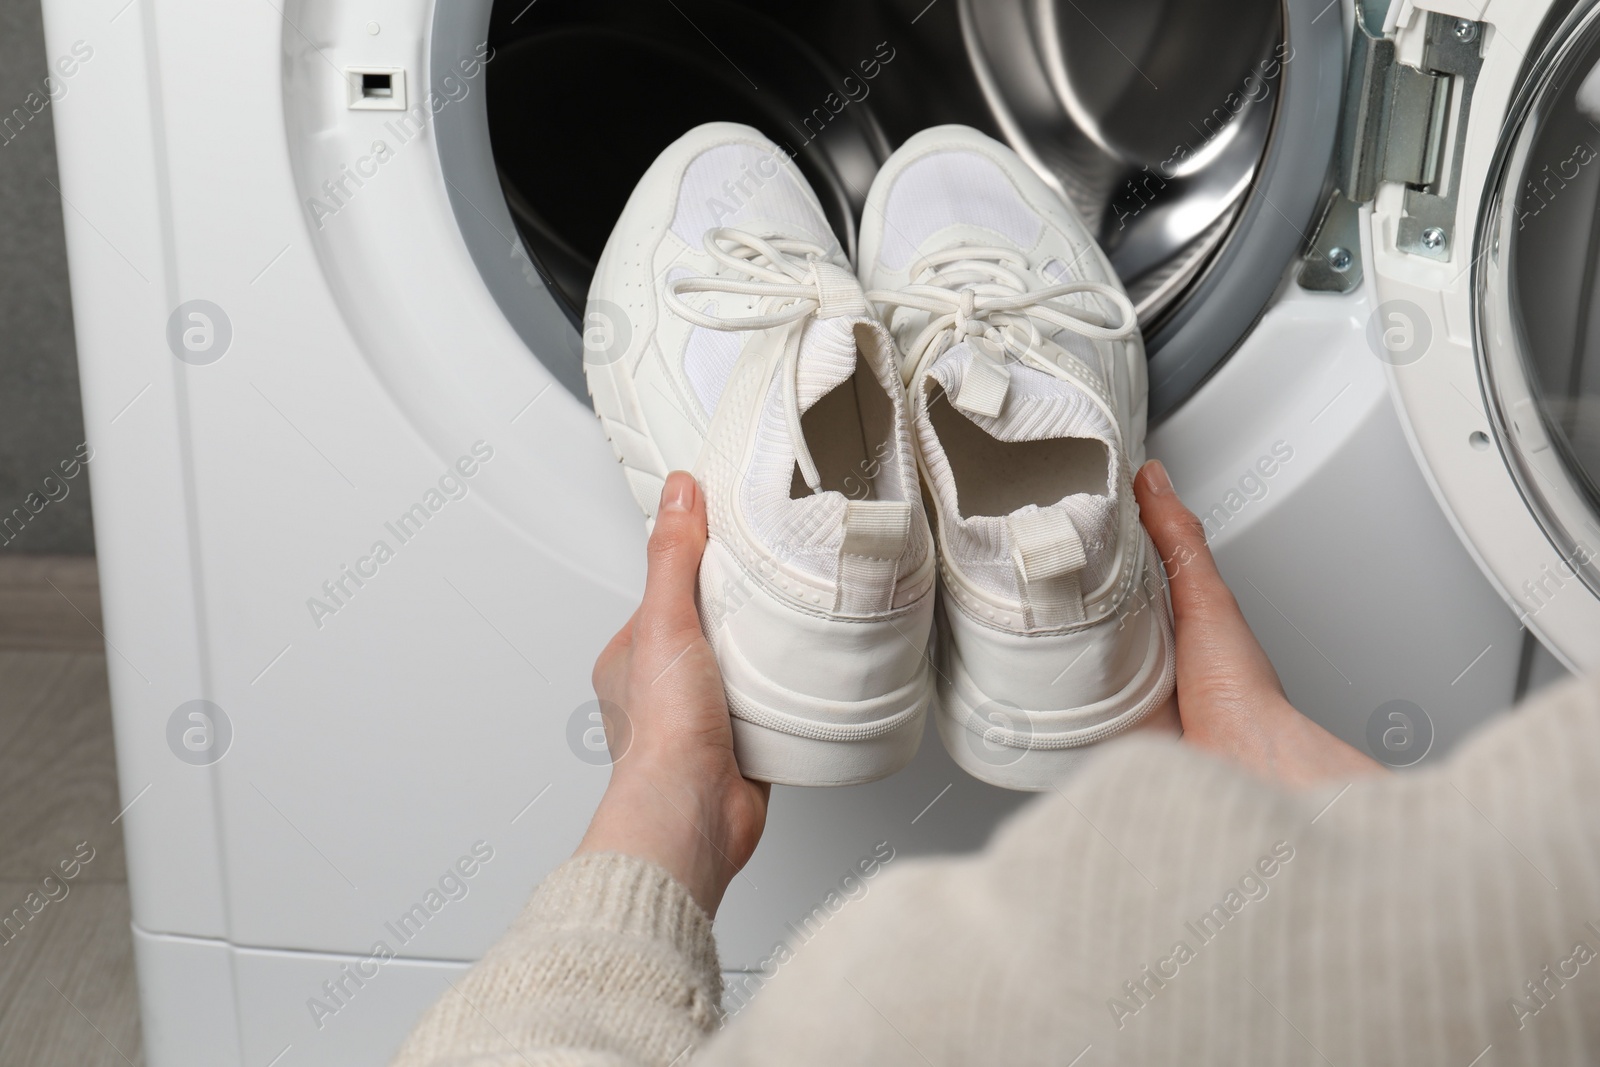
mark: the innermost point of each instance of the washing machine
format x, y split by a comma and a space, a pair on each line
361, 538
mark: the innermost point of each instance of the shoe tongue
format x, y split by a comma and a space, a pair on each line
1012, 401
827, 357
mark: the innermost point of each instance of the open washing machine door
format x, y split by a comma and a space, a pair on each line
1486, 267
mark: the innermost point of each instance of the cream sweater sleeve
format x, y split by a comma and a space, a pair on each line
1162, 908
611, 962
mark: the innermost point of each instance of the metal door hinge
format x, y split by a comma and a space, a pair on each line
1401, 125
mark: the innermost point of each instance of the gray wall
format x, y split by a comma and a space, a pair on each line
41, 417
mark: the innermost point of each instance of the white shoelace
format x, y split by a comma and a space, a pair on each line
790, 277
976, 291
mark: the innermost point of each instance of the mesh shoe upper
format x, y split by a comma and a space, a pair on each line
1015, 345
749, 187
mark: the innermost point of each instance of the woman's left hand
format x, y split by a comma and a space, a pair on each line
676, 796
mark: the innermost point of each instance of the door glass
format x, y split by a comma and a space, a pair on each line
1538, 293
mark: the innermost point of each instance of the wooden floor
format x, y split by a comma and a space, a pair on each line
66, 975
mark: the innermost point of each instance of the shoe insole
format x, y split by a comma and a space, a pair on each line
848, 432
995, 477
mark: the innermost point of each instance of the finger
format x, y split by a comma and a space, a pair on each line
1211, 630
676, 545
1180, 538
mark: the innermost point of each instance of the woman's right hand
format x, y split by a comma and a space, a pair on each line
676, 796
1229, 698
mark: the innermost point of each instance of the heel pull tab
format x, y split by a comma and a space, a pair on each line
1049, 557
876, 533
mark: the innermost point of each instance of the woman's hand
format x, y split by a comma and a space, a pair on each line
676, 796
1229, 697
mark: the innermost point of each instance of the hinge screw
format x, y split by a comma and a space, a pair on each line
1466, 31
1340, 260
1433, 239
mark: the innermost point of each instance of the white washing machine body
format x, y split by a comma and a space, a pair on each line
344, 502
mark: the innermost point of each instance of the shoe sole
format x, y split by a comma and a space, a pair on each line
770, 744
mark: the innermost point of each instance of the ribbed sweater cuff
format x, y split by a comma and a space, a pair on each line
608, 892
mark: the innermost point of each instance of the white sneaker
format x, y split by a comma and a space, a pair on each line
1027, 385
727, 335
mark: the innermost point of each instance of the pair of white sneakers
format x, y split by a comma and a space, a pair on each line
983, 357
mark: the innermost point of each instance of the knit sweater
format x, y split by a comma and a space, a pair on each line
1162, 907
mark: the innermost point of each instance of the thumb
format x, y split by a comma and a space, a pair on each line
676, 545
1211, 630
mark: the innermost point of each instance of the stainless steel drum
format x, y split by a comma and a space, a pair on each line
1194, 138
